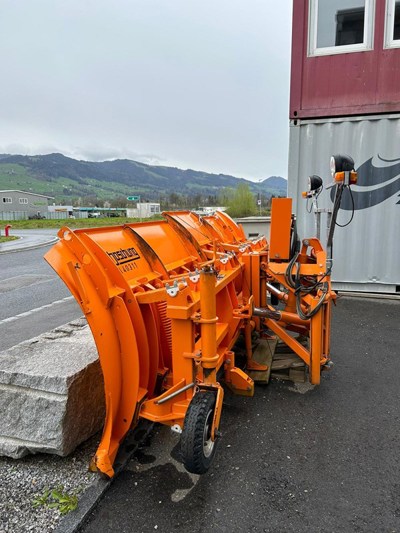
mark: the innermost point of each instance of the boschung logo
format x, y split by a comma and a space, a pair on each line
123, 256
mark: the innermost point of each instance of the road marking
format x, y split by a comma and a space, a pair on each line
32, 311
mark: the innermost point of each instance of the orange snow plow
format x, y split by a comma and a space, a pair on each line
166, 302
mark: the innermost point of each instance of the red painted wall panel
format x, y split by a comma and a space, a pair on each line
342, 84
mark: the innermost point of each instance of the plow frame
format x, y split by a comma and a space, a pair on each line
167, 304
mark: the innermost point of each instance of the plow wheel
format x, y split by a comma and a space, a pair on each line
197, 448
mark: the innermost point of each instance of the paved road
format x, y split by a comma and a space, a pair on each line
27, 284
290, 460
28, 239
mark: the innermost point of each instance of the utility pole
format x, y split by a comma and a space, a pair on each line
259, 196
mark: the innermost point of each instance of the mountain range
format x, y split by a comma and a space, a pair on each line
68, 179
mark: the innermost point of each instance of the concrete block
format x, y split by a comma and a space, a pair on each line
51, 392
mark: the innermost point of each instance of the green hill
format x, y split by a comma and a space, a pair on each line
68, 180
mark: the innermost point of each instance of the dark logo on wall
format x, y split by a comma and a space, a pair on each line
123, 256
379, 183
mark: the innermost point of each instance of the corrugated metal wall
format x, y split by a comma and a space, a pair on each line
367, 252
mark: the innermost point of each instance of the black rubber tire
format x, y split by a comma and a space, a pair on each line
197, 449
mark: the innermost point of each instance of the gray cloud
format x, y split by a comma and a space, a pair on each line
203, 84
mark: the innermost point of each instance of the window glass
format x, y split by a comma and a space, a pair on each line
341, 26
392, 25
340, 22
396, 28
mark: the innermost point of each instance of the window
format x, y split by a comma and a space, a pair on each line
154, 209
23, 200
7, 200
392, 25
340, 26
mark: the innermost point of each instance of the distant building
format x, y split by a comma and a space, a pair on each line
209, 210
98, 212
61, 211
144, 210
20, 205
255, 226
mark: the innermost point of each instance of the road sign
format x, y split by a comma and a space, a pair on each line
258, 202
133, 198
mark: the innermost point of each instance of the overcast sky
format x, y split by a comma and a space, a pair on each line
187, 83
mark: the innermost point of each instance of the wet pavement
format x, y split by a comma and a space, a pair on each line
29, 239
304, 459
291, 459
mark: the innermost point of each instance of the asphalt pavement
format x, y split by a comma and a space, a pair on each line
293, 458
33, 299
29, 239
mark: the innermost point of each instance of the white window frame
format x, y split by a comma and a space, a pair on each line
23, 201
389, 42
367, 44
7, 200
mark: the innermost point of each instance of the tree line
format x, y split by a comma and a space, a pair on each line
240, 202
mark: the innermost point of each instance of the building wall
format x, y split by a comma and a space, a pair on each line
348, 101
144, 210
367, 252
23, 202
255, 226
343, 84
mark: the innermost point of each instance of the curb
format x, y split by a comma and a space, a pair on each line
94, 493
369, 295
32, 247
